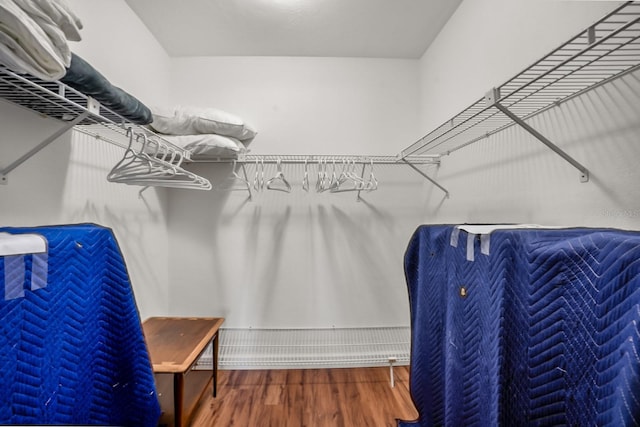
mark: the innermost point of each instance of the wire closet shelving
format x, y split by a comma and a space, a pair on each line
310, 348
608, 49
75, 110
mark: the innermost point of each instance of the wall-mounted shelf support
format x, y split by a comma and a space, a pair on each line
602, 53
35, 150
492, 99
446, 192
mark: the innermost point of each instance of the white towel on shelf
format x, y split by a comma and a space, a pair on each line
32, 48
49, 26
15, 58
62, 15
20, 244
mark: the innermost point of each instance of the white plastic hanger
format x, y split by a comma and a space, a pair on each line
305, 179
258, 180
155, 164
279, 182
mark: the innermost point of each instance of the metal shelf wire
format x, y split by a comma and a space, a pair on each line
315, 158
257, 348
59, 101
605, 51
73, 109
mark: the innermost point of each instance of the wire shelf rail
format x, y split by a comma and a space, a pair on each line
431, 159
310, 348
74, 109
605, 51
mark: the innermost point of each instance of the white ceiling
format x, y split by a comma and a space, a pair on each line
334, 28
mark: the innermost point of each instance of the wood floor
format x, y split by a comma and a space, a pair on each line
353, 397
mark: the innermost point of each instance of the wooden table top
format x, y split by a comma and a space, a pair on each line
174, 343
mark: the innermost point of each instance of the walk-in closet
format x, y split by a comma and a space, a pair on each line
321, 213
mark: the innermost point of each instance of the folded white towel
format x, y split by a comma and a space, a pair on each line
60, 12
20, 244
14, 57
43, 59
49, 26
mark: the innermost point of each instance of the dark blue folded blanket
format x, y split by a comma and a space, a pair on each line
86, 79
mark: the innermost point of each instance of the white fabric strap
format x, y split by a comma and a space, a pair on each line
455, 234
485, 235
21, 244
471, 238
14, 277
14, 250
485, 243
39, 271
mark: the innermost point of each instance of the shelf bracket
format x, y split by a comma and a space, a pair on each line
427, 177
492, 99
67, 125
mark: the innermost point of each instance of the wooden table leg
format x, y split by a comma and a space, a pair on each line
215, 365
178, 397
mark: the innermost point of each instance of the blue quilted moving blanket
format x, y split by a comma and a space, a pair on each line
71, 344
529, 327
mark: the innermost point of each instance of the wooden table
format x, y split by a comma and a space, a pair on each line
175, 344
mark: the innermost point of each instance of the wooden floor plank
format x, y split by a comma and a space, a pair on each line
348, 397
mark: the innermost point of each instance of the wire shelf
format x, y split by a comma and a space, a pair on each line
310, 348
605, 51
59, 101
316, 158
160, 160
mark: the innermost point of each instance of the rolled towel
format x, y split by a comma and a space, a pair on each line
49, 26
26, 48
60, 12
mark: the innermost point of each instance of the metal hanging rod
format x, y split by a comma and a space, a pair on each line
411, 161
302, 159
340, 161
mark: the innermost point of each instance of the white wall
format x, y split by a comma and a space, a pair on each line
294, 260
299, 259
66, 182
308, 105
511, 177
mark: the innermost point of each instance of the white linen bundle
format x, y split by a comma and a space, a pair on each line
34, 35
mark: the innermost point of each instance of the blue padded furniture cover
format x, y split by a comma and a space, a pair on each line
72, 349
546, 332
